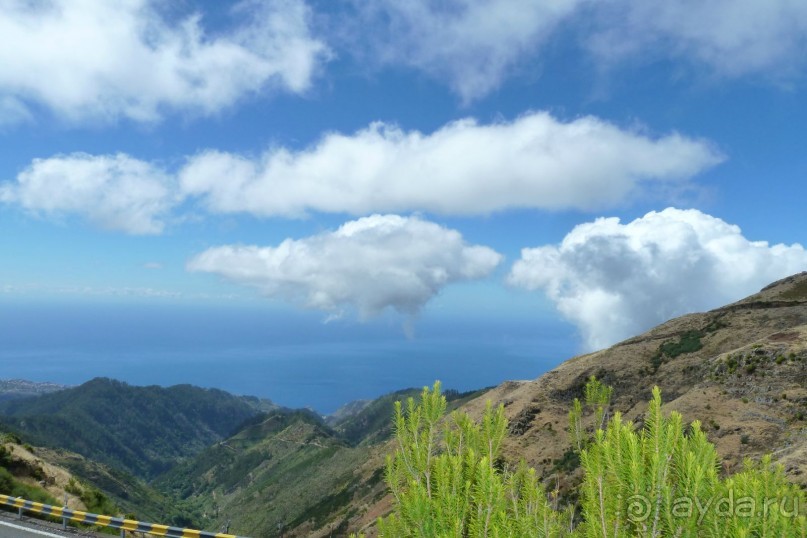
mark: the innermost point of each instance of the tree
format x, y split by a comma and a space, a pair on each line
448, 481
663, 481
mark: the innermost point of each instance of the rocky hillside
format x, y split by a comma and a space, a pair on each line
740, 369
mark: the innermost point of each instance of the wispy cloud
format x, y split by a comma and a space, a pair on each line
729, 37
473, 46
92, 291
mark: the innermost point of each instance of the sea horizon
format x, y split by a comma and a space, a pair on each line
211, 349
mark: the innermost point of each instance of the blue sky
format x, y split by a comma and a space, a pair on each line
378, 167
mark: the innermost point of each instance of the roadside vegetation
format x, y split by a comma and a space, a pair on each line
12, 472
663, 479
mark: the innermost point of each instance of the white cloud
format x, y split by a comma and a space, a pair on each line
470, 43
370, 264
615, 280
464, 168
115, 192
731, 37
473, 46
95, 59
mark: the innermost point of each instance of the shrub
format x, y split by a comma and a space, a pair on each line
6, 482
5, 457
653, 482
445, 481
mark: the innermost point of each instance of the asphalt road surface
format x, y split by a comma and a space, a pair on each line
11, 527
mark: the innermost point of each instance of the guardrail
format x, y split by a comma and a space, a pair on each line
87, 518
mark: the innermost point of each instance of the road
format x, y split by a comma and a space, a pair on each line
10, 527
14, 530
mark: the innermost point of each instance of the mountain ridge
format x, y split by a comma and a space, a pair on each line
741, 369
142, 430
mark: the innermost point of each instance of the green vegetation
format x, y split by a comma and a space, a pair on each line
688, 342
796, 292
9, 485
143, 430
446, 483
371, 424
759, 361
282, 468
95, 501
11, 473
660, 481
597, 397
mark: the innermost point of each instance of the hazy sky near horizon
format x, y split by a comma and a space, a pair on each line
377, 164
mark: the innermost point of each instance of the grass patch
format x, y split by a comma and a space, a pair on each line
799, 291
320, 511
688, 342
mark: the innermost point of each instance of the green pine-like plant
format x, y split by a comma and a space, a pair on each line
661, 481
446, 480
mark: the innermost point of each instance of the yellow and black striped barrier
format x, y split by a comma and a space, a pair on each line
106, 521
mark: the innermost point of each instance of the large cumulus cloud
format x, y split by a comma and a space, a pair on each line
615, 280
369, 264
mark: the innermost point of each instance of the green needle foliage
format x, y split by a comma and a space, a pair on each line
597, 396
661, 481
446, 482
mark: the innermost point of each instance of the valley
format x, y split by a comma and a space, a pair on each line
201, 457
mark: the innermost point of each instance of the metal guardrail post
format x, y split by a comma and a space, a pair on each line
64, 519
19, 512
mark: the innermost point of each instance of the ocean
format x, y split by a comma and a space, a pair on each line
294, 361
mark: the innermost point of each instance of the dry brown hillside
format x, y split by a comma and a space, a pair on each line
740, 369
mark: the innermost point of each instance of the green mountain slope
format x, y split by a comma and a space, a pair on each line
281, 468
740, 369
371, 423
290, 470
142, 430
